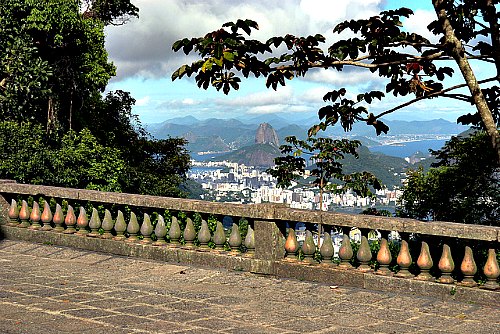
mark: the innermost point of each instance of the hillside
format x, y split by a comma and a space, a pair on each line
237, 133
258, 155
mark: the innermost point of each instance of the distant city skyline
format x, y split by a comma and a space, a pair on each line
141, 50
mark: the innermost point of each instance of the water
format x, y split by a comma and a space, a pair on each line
409, 148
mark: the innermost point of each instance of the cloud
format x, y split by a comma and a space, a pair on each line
143, 101
260, 99
142, 48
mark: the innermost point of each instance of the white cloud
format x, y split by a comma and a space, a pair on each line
143, 101
260, 99
143, 46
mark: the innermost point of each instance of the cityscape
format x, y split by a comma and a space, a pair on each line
227, 181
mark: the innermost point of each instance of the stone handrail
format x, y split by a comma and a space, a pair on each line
270, 246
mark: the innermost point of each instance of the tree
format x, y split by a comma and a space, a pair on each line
463, 185
325, 156
54, 57
53, 70
226, 54
75, 160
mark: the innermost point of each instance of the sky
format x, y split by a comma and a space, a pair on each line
142, 52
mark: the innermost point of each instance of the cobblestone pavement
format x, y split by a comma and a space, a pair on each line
48, 289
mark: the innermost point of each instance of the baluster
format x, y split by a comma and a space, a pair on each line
446, 265
364, 255
404, 261
132, 228
291, 245
204, 235
189, 234
120, 227
82, 222
46, 217
94, 224
234, 240
250, 242
70, 221
24, 215
13, 214
175, 232
326, 250
219, 237
146, 230
160, 232
345, 252
35, 217
384, 258
309, 248
491, 271
468, 268
107, 225
58, 219
425, 263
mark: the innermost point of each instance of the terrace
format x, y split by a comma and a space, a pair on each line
450, 264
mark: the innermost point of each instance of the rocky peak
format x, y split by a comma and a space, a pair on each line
267, 135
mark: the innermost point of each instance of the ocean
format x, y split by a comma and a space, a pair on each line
406, 149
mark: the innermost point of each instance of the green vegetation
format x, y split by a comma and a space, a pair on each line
226, 56
463, 186
57, 128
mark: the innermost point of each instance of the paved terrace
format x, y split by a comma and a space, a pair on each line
49, 289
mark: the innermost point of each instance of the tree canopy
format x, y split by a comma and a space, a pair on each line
54, 69
412, 64
463, 185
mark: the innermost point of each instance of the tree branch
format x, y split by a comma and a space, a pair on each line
431, 95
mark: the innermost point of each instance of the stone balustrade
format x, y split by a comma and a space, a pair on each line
428, 257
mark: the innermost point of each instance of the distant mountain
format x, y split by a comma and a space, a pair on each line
258, 155
236, 133
266, 135
385, 167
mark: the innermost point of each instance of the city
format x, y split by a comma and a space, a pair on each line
231, 182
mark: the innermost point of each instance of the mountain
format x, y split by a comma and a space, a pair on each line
258, 155
235, 133
266, 135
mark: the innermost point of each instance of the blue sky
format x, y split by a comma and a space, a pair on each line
141, 50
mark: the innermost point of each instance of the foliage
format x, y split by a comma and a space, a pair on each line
409, 62
62, 49
53, 70
463, 186
325, 154
75, 160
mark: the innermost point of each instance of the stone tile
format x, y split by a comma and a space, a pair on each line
249, 329
19, 247
160, 326
139, 310
47, 292
189, 306
107, 303
391, 327
476, 327
77, 297
58, 305
215, 324
123, 320
178, 316
435, 321
89, 313
306, 325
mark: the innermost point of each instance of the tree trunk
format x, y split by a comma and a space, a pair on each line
457, 51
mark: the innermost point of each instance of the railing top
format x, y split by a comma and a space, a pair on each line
262, 212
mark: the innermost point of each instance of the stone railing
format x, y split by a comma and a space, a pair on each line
429, 258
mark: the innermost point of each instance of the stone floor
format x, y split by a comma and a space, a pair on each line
48, 289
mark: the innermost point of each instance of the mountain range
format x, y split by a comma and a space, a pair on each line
221, 135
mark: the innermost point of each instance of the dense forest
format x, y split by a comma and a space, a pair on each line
58, 127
